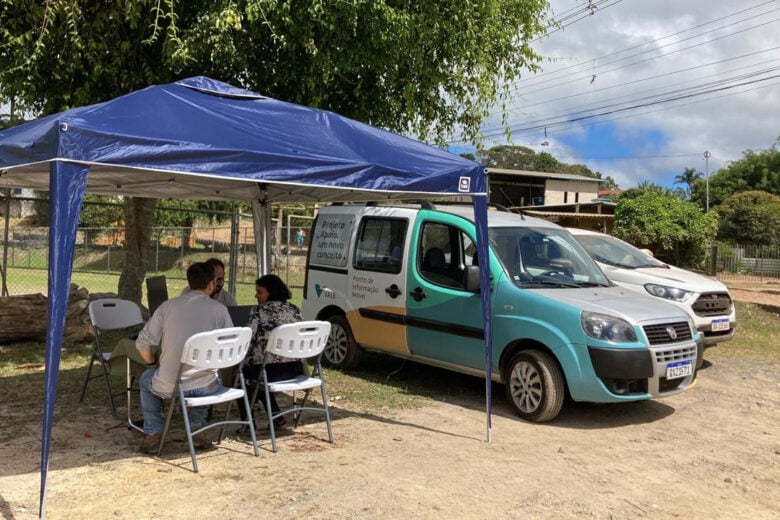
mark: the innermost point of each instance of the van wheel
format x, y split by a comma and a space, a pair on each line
341, 351
534, 386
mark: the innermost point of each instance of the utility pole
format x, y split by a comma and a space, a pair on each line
707, 156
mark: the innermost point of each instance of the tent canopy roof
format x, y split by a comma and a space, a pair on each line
203, 139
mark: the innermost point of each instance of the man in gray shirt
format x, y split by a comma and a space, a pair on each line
223, 297
170, 327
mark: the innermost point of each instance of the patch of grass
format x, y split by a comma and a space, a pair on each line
757, 335
380, 384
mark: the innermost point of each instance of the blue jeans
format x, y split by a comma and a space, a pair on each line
151, 404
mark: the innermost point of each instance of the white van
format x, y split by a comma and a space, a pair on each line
707, 301
405, 281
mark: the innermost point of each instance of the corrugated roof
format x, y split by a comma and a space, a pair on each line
543, 175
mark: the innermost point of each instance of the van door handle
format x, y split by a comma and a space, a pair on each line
393, 291
418, 294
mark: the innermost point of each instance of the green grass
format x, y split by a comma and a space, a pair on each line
757, 336
380, 385
22, 280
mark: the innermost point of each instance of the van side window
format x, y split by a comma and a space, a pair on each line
442, 255
380, 245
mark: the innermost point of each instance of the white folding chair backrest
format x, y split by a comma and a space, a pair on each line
300, 340
114, 313
219, 348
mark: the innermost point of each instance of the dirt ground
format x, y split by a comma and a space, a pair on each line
712, 452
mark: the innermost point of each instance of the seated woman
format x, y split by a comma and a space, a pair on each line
273, 309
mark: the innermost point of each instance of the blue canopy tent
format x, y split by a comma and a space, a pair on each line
205, 140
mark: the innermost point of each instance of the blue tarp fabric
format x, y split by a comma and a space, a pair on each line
203, 139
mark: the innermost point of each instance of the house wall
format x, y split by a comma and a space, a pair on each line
569, 192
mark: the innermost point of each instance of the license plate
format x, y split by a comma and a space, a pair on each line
721, 324
679, 369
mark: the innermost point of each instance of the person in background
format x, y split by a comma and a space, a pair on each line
170, 327
223, 297
273, 309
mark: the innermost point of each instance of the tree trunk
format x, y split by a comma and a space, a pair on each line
139, 216
24, 317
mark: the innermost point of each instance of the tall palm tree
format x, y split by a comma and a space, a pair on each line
689, 177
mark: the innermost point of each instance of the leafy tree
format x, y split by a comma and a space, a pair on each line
428, 67
670, 227
645, 187
689, 177
522, 158
756, 171
750, 217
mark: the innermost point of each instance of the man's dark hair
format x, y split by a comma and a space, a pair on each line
216, 262
277, 290
199, 275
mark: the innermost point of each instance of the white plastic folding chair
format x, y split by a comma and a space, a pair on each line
302, 340
220, 348
109, 314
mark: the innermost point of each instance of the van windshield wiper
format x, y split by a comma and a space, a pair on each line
549, 280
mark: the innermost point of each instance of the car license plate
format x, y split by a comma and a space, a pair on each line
721, 324
679, 369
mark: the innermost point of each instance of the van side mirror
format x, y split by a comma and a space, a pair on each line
471, 278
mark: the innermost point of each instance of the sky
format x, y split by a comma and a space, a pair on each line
641, 89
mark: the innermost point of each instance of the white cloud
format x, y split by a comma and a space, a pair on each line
642, 33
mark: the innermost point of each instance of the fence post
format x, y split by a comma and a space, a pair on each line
714, 260
5, 239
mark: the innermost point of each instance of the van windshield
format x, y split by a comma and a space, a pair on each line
545, 256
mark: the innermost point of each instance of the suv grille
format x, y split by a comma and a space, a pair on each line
712, 304
668, 333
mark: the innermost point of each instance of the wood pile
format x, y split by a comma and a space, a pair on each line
24, 317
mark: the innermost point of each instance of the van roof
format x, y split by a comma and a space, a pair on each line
496, 218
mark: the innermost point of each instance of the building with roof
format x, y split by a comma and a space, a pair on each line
567, 199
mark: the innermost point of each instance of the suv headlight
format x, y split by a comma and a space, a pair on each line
605, 327
668, 293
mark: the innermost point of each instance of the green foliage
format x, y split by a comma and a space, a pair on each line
756, 171
645, 187
672, 228
689, 177
750, 217
101, 211
426, 66
513, 157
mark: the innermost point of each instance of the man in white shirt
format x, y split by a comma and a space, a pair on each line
170, 327
223, 297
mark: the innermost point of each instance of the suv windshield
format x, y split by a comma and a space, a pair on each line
612, 251
544, 257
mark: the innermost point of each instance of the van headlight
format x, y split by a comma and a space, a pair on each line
608, 328
668, 293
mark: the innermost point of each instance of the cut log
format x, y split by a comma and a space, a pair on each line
24, 317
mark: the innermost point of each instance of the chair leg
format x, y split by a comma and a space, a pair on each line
327, 410
271, 417
250, 418
86, 380
108, 387
188, 429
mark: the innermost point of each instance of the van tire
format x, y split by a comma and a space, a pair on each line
534, 386
342, 351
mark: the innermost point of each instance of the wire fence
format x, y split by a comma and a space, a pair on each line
99, 256
745, 262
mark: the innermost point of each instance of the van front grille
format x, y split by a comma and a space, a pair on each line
675, 354
668, 333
